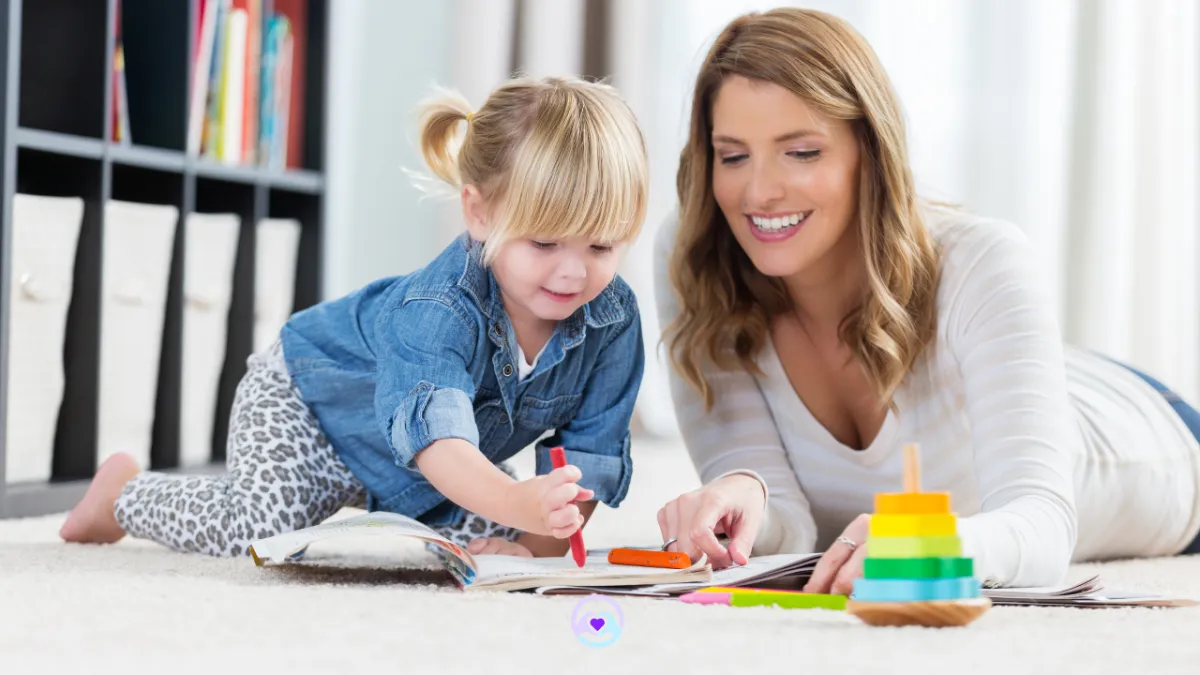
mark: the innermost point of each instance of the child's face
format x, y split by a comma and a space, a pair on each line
549, 279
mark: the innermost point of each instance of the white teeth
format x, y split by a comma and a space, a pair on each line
778, 223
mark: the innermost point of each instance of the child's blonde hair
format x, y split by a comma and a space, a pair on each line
553, 157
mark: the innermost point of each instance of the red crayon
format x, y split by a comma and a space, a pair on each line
559, 459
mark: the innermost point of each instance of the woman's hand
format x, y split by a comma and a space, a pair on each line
842, 563
732, 505
497, 546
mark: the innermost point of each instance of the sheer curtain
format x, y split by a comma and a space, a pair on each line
1075, 119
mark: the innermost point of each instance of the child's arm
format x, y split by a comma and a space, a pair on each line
540, 505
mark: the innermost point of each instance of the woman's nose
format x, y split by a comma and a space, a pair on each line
766, 187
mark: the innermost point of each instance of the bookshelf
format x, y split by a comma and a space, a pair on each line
56, 61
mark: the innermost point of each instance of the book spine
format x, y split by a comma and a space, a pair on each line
254, 38
212, 126
201, 72
283, 101
124, 136
293, 128
233, 91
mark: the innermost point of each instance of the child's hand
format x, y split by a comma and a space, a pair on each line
553, 496
498, 546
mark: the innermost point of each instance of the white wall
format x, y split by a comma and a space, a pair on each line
384, 58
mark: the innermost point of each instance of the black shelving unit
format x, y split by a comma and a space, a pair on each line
56, 62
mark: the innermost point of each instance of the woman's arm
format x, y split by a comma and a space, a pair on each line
1005, 337
738, 434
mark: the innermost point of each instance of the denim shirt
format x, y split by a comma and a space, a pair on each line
408, 360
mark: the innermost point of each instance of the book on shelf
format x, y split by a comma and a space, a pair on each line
246, 99
120, 102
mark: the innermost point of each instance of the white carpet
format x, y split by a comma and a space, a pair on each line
137, 607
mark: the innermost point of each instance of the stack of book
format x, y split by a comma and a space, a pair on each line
247, 89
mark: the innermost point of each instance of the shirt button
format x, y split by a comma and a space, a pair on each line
503, 418
507, 370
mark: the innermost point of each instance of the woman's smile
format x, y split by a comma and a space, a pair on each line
770, 227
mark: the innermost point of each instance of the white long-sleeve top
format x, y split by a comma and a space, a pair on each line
1050, 453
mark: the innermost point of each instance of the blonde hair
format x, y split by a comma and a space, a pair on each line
726, 304
553, 157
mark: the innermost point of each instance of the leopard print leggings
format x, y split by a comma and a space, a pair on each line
281, 475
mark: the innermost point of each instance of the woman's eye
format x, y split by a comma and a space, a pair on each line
732, 159
805, 154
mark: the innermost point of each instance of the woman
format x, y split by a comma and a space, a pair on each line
820, 316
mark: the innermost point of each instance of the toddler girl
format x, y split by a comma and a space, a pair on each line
408, 394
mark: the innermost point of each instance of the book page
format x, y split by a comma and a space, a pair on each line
757, 569
290, 546
494, 567
1084, 587
497, 572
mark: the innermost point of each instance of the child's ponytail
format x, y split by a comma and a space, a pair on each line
440, 138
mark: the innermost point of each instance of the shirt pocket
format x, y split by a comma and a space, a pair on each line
492, 420
548, 413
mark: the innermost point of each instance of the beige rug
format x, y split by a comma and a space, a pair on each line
135, 607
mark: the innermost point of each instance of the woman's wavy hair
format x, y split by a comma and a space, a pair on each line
726, 304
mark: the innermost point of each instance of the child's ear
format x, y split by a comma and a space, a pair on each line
475, 212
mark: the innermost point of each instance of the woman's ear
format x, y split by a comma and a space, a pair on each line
475, 212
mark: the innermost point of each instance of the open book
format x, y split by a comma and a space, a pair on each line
791, 568
476, 572
554, 576
1089, 592
793, 571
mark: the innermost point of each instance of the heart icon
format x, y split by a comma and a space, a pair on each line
597, 623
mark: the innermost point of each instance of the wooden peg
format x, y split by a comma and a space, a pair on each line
912, 468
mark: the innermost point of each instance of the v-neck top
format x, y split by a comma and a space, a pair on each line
1050, 453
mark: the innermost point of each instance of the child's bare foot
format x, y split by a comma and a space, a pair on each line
92, 520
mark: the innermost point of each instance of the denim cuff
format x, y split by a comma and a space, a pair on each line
427, 415
606, 475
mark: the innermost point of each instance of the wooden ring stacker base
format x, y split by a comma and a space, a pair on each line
933, 613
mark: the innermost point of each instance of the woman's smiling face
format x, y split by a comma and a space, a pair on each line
785, 176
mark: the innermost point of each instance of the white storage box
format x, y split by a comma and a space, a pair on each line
45, 235
210, 254
276, 249
138, 241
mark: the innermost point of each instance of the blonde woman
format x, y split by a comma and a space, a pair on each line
409, 394
821, 315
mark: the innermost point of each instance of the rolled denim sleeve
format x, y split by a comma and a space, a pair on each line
424, 388
597, 440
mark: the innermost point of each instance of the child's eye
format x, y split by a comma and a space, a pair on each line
543, 245
602, 248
